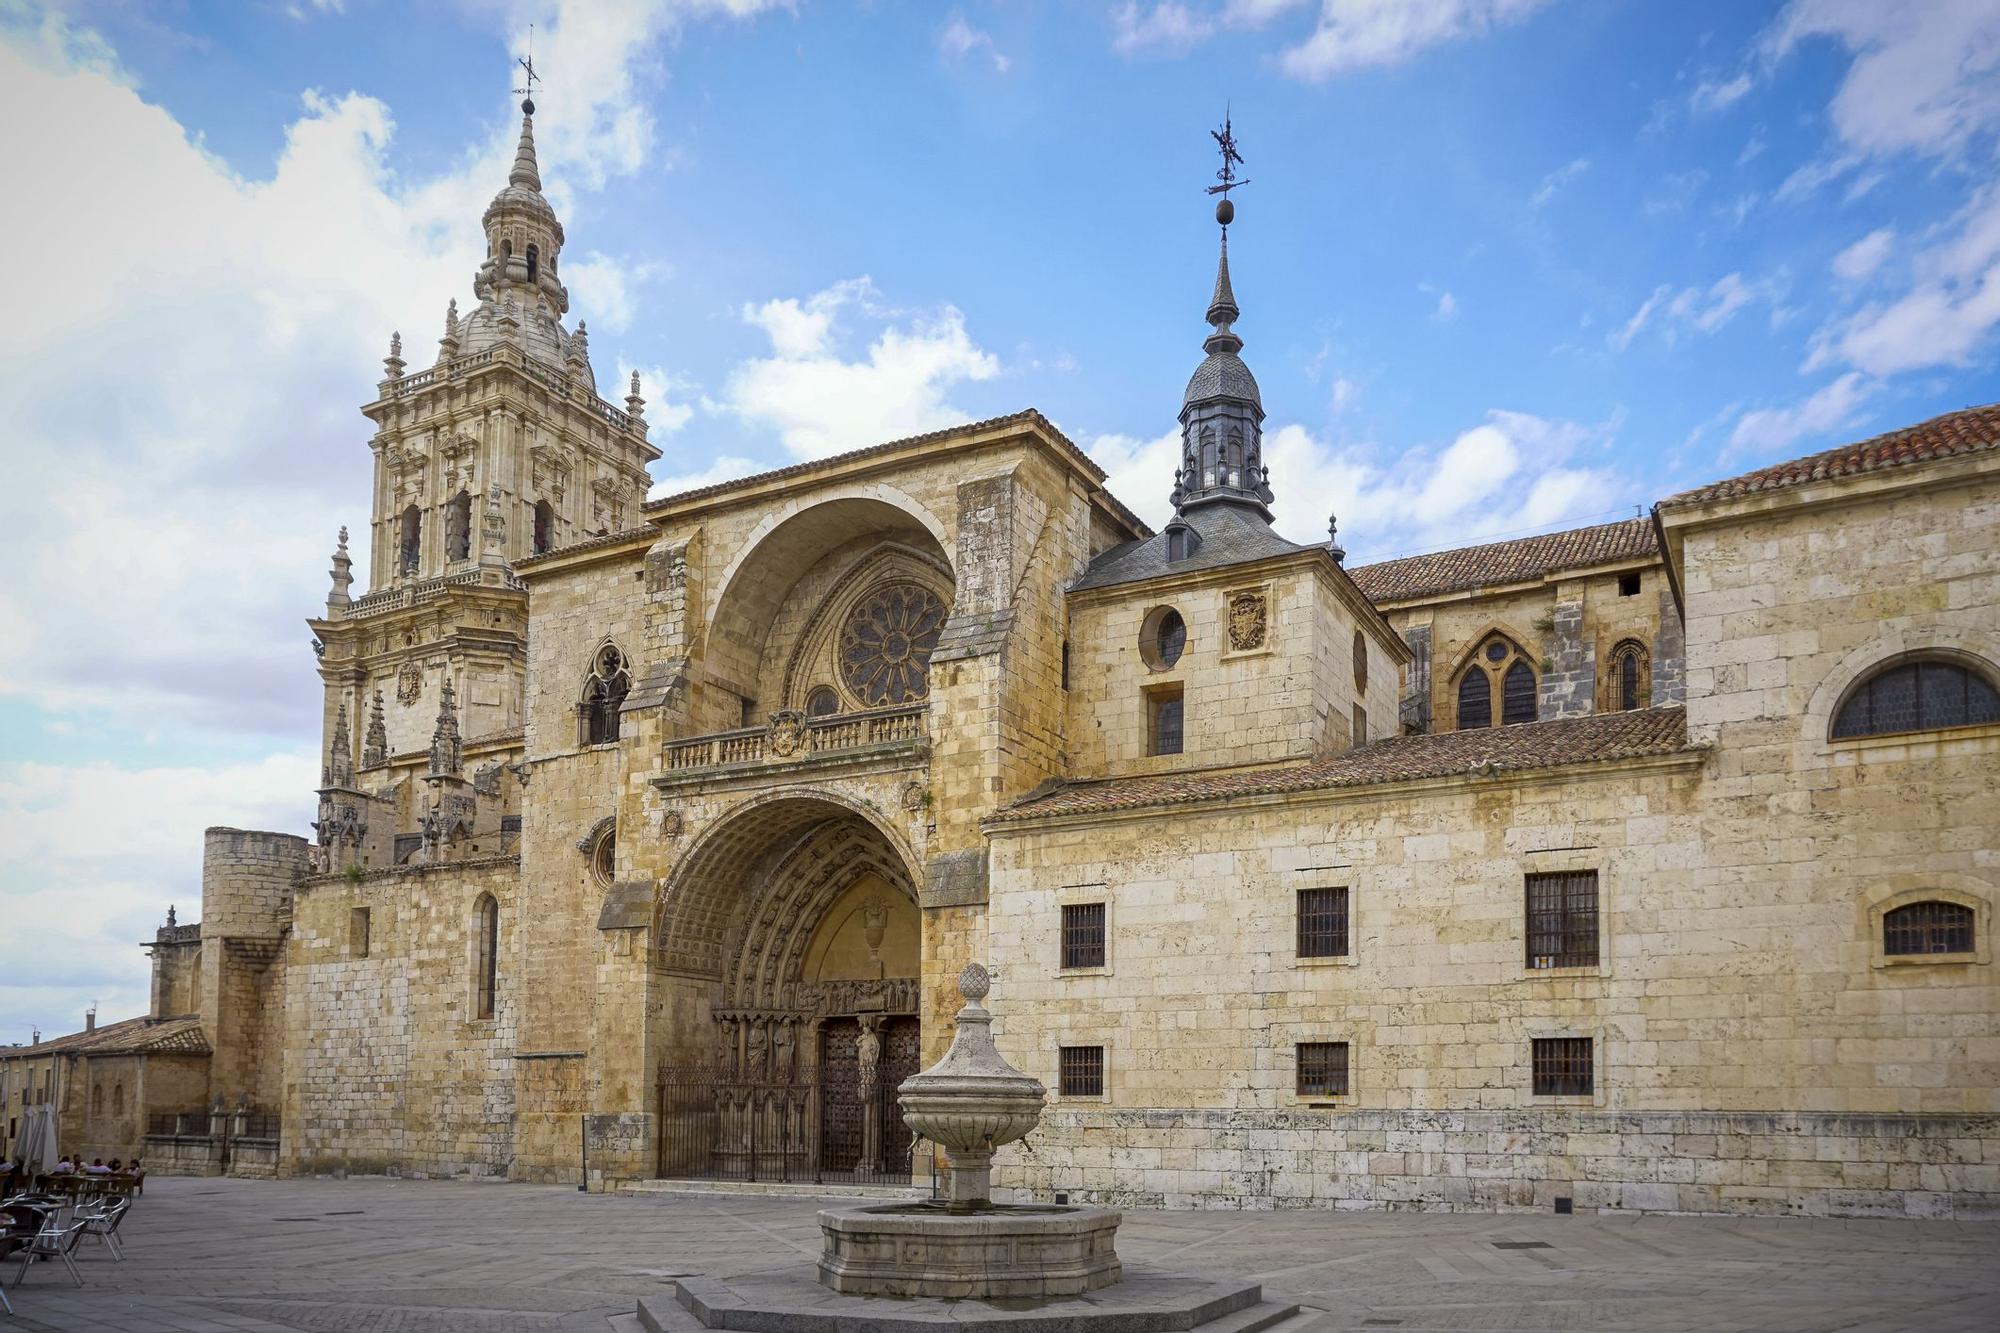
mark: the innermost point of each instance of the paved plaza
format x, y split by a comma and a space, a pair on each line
448, 1257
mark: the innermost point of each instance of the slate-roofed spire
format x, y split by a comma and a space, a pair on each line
1222, 412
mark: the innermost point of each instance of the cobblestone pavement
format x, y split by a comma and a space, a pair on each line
448, 1257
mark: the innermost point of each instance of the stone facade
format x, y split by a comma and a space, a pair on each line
721, 792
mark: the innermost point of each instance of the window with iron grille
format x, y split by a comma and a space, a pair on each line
1322, 923
1164, 724
1083, 935
1562, 919
1931, 927
1322, 1068
1917, 696
1563, 1067
1082, 1070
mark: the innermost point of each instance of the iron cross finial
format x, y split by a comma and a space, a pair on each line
1225, 140
527, 63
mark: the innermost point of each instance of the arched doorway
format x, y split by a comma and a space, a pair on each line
787, 972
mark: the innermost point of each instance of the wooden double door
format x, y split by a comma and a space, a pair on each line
861, 1129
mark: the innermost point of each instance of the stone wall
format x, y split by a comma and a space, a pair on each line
1762, 1163
391, 1070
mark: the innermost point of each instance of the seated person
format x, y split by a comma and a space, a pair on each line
97, 1168
116, 1166
63, 1167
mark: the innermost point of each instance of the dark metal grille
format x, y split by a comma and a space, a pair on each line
1933, 927
1322, 923
1322, 1068
1167, 724
1917, 696
1170, 638
1475, 700
1082, 1071
1562, 919
1517, 695
1563, 1067
1083, 935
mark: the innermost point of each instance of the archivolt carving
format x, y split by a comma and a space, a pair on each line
812, 660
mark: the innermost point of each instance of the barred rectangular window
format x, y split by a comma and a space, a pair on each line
1563, 1067
1083, 935
1082, 1071
1322, 1068
1562, 919
1322, 923
1164, 720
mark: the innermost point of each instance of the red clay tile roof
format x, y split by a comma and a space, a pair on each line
126, 1037
1971, 430
1579, 740
1506, 562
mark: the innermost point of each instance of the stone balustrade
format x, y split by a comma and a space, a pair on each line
792, 736
550, 378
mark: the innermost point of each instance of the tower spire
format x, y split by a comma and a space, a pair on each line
1222, 412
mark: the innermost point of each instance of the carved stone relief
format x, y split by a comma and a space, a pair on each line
1247, 626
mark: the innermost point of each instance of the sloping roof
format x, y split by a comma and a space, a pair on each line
1506, 562
1580, 740
1026, 417
587, 543
1230, 535
130, 1036
1970, 430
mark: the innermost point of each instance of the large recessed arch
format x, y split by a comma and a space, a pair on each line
789, 544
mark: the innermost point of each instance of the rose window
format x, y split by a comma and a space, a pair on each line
886, 645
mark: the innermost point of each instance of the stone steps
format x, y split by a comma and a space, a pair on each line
772, 1189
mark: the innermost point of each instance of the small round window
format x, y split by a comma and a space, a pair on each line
822, 702
1162, 638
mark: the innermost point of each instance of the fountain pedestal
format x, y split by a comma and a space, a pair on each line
969, 1103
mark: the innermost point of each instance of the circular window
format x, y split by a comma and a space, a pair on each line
1163, 638
1496, 651
821, 701
886, 645
604, 857
1360, 661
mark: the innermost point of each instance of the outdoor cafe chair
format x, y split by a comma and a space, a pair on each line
101, 1224
8, 1244
54, 1243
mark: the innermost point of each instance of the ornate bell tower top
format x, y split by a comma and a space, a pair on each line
1222, 412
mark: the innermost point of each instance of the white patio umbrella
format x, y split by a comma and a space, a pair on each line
38, 1138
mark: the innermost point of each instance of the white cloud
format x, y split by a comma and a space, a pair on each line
1677, 192
1510, 472
1355, 34
727, 467
1558, 178
960, 39
1862, 258
85, 900
1946, 315
1711, 96
819, 403
1447, 309
1925, 77
1774, 430
1703, 310
1168, 28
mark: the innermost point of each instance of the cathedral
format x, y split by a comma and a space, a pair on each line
1644, 866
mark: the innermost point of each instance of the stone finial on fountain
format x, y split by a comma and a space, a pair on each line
972, 1101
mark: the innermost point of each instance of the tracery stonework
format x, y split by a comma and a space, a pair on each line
886, 645
1246, 621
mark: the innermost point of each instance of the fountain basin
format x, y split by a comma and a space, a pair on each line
997, 1252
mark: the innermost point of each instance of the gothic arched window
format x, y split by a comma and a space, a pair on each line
603, 695
485, 955
545, 527
886, 644
458, 527
534, 261
1498, 686
821, 701
1920, 695
97, 1099
118, 1099
410, 540
1628, 680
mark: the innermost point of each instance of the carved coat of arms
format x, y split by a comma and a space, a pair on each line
1246, 621
409, 684
788, 732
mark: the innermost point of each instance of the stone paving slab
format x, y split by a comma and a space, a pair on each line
384, 1256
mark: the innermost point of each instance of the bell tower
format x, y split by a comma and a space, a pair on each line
499, 451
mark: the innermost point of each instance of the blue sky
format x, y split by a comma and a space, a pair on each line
1505, 265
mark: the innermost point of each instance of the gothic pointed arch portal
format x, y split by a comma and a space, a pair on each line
785, 969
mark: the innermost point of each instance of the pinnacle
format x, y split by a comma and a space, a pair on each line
525, 171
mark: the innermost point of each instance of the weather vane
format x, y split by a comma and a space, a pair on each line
1225, 139
527, 63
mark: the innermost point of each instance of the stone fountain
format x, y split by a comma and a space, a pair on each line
966, 1246
963, 1261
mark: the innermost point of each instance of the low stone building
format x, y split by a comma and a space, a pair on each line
1643, 866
